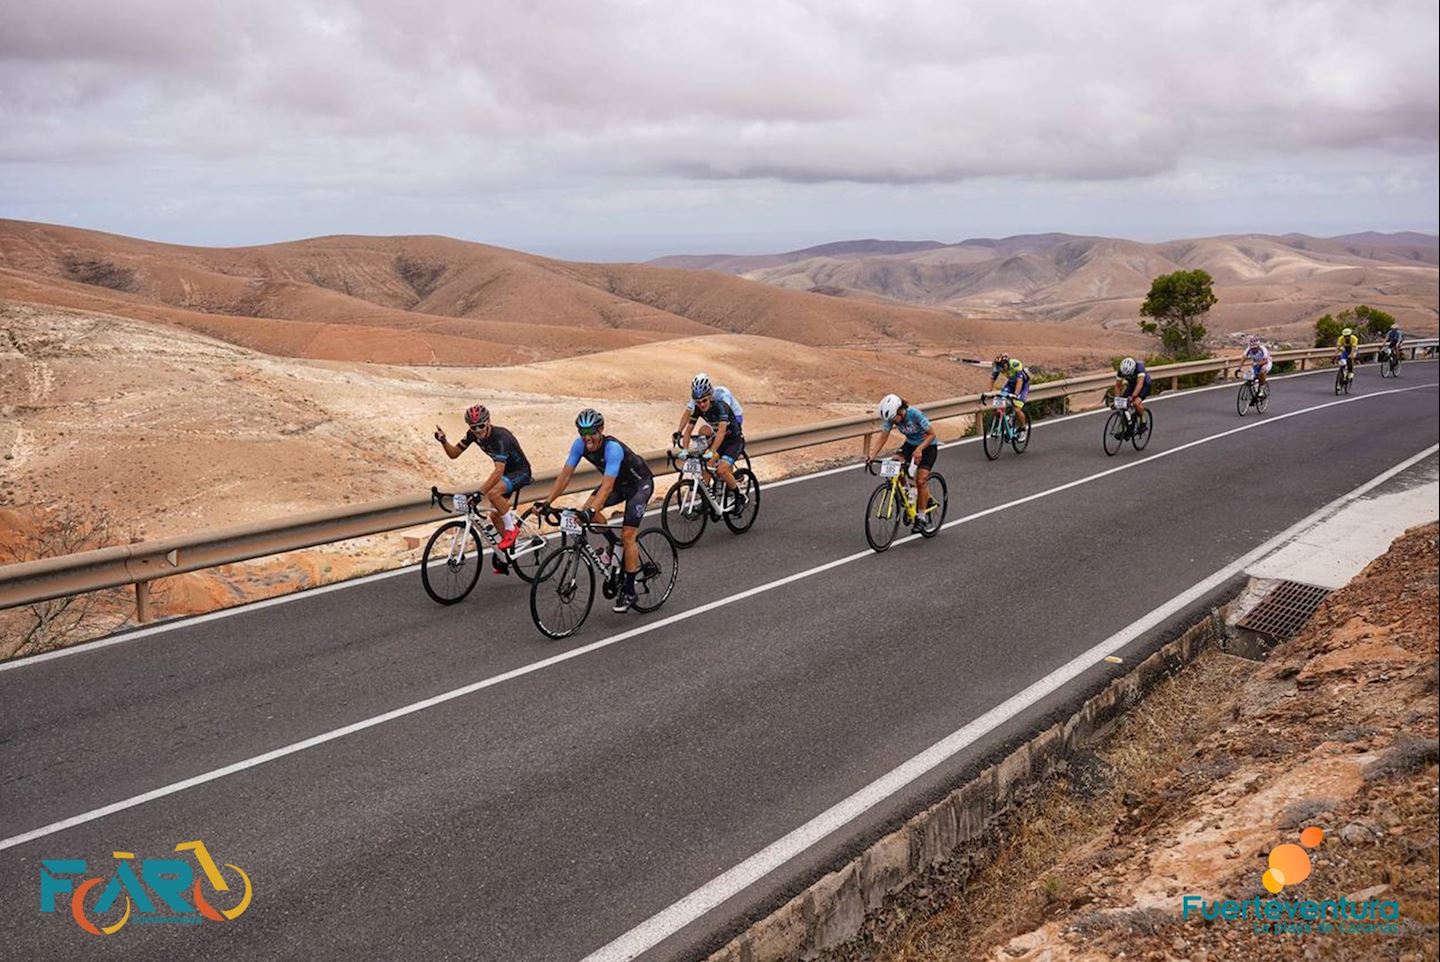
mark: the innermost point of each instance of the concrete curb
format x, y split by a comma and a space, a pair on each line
832, 911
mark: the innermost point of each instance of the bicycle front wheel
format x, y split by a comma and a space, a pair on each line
1141, 438
659, 569
882, 517
1262, 399
1020, 440
529, 551
562, 593
1114, 433
684, 513
1244, 399
939, 504
1340, 380
993, 442
747, 484
451, 563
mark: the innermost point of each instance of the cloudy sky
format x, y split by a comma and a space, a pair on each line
624, 129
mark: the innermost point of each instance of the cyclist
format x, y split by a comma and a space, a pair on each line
1347, 345
1133, 381
512, 471
626, 478
699, 384
921, 447
1258, 355
727, 439
1393, 339
1017, 381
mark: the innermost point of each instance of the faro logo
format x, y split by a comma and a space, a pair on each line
158, 894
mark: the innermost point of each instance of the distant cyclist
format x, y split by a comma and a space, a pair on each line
625, 477
1133, 381
720, 422
1347, 345
1257, 355
921, 447
1393, 339
1017, 382
512, 470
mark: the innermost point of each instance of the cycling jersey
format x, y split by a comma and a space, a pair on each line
502, 448
1258, 356
1347, 343
1134, 379
722, 393
616, 460
719, 413
1394, 336
915, 425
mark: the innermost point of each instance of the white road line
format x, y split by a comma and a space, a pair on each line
648, 627
670, 920
187, 622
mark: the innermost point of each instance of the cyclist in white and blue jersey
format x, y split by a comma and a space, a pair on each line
1258, 356
699, 387
710, 416
921, 447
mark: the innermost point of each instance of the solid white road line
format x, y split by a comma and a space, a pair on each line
646, 628
670, 920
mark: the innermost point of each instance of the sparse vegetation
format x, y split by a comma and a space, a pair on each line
1369, 322
1178, 302
99, 272
422, 276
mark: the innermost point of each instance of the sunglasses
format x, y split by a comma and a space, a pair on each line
588, 432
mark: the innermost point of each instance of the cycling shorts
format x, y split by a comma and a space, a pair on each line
1263, 368
732, 448
514, 482
636, 500
927, 460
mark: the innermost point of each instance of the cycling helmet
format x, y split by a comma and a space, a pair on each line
1252, 341
589, 421
700, 386
1002, 359
477, 416
1127, 367
1015, 365
1347, 332
889, 406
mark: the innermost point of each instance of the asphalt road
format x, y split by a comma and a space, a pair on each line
549, 812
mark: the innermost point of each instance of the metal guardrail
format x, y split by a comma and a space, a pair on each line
141, 563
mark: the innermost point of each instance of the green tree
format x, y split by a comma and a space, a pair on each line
1327, 330
1376, 321
1178, 302
1372, 321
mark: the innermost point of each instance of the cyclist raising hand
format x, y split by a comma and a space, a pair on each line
921, 447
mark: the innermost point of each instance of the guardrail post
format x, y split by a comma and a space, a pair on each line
1302, 363
142, 602
1175, 383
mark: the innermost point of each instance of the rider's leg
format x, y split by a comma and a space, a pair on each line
1021, 418
726, 469
499, 506
922, 491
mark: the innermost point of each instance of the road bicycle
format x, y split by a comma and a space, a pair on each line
1003, 426
1251, 394
453, 555
1389, 362
894, 499
1343, 377
564, 588
1122, 425
701, 496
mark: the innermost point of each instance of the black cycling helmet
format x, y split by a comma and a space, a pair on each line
589, 421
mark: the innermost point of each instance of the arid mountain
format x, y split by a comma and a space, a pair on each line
744, 263
1275, 284
434, 300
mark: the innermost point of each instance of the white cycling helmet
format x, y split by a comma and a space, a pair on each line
1253, 341
700, 386
1127, 367
889, 407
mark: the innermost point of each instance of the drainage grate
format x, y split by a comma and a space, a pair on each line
1285, 610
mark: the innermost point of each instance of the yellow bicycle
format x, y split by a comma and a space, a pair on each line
894, 500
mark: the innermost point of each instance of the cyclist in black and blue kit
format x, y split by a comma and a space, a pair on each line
1133, 382
626, 477
921, 446
727, 438
1393, 339
512, 471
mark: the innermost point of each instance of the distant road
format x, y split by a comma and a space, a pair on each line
560, 803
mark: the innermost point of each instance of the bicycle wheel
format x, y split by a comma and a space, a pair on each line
1349, 378
659, 569
993, 442
684, 513
1244, 399
749, 485
1340, 380
1142, 438
1114, 433
1395, 364
1020, 440
1262, 400
451, 563
562, 592
939, 504
529, 551
882, 517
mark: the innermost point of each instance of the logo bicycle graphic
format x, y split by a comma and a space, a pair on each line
1289, 864
157, 894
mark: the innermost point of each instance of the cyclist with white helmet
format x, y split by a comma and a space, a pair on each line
719, 421
1258, 356
1394, 338
1017, 382
1347, 345
625, 478
699, 385
1133, 381
921, 447
512, 470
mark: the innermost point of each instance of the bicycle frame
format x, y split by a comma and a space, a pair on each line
704, 481
899, 489
474, 509
1005, 424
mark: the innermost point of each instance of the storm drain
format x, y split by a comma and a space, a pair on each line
1285, 610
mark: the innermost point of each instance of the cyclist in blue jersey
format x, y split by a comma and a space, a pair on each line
699, 386
512, 471
921, 447
625, 478
717, 420
1017, 381
1393, 339
1133, 381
